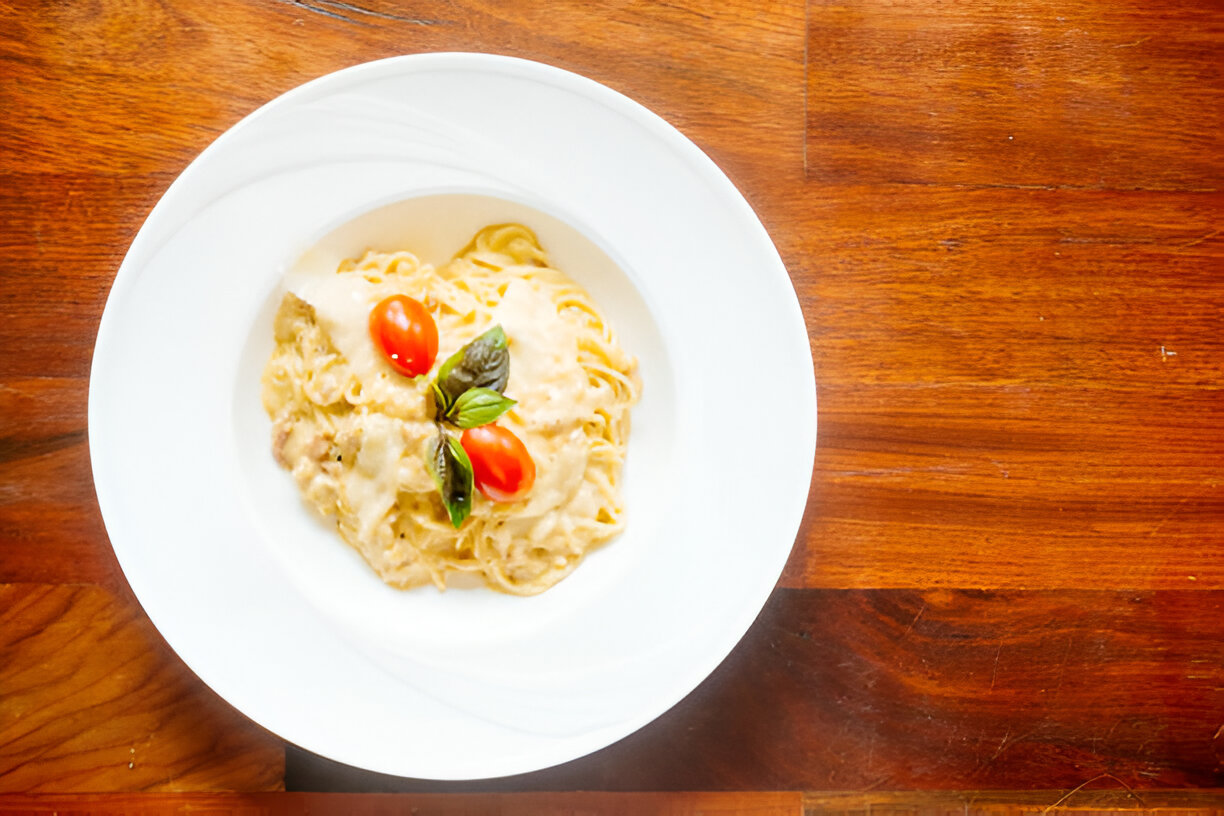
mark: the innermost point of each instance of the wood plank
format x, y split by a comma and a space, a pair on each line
951, 803
164, 81
63, 241
1088, 802
1014, 487
50, 527
320, 804
1017, 93
895, 690
92, 699
1102, 795
995, 409
944, 285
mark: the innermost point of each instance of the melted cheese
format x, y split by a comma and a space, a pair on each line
545, 375
371, 484
551, 387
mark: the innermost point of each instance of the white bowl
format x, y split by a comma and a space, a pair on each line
266, 604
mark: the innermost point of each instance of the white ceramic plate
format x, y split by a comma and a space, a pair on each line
266, 604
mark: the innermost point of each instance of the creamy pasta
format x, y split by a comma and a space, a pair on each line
356, 434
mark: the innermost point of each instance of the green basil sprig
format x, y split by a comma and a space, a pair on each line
452, 472
478, 406
467, 394
482, 363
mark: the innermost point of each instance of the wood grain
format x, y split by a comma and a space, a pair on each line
95, 93
64, 238
1033, 288
1014, 487
893, 690
50, 526
1087, 801
1009, 575
1017, 93
1024, 384
540, 804
91, 699
1103, 795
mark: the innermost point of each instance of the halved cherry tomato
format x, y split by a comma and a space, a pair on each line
405, 333
501, 466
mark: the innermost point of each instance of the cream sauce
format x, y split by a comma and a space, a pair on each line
370, 486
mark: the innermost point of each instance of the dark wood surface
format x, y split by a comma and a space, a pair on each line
1003, 222
751, 803
924, 690
1086, 800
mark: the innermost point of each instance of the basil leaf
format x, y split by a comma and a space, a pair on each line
452, 473
478, 406
482, 363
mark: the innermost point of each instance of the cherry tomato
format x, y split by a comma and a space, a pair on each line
404, 332
501, 466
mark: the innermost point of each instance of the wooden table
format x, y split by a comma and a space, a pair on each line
1003, 221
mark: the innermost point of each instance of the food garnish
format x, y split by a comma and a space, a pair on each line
452, 471
502, 468
405, 333
468, 394
482, 363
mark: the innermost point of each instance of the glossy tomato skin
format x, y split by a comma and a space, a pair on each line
405, 333
502, 468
